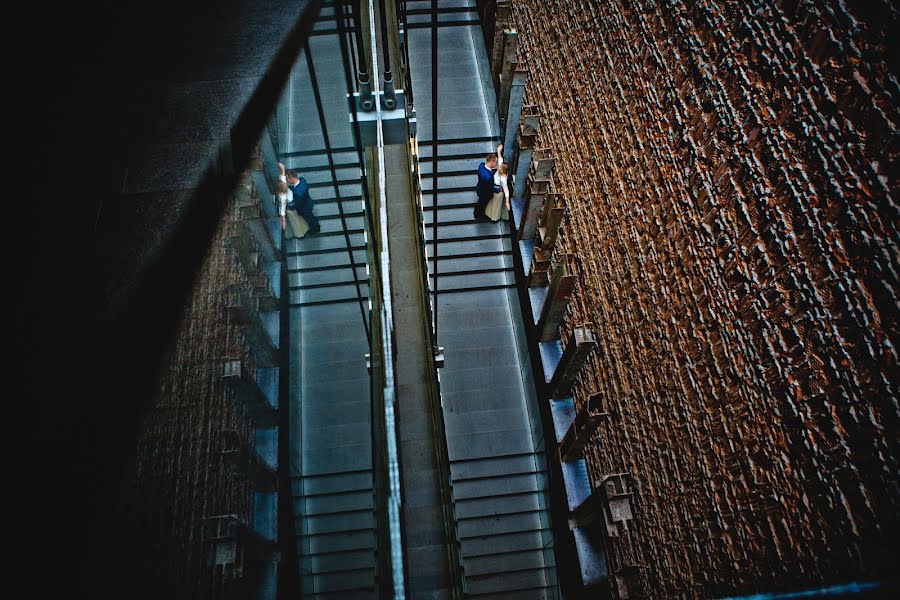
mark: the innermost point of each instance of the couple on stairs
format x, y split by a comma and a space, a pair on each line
492, 188
293, 194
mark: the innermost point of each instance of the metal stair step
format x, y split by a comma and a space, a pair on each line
337, 523
332, 293
330, 504
496, 524
538, 593
357, 594
507, 581
355, 431
450, 247
501, 484
342, 542
337, 482
347, 581
508, 561
338, 562
352, 411
326, 260
500, 544
330, 276
481, 507
492, 466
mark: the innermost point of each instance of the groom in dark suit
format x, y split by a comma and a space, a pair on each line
302, 202
485, 187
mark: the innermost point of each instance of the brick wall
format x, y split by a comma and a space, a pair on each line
729, 171
180, 477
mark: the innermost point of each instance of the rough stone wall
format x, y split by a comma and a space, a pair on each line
180, 477
730, 173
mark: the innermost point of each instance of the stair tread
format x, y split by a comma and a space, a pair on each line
501, 544
507, 582
338, 562
499, 485
475, 508
515, 464
534, 558
499, 524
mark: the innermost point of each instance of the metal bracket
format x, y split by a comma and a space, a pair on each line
393, 121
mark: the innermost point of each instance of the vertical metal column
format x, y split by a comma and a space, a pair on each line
388, 97
342, 19
347, 40
366, 100
434, 156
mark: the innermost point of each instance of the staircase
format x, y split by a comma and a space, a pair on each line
503, 526
336, 534
329, 395
496, 462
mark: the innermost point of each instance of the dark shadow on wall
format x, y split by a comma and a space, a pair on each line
134, 125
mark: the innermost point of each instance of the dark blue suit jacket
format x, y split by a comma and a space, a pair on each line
485, 187
301, 195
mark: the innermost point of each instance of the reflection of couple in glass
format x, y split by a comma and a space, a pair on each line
293, 194
492, 188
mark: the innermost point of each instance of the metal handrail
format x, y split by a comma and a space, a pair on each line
387, 329
435, 148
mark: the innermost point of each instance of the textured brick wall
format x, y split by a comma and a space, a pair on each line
180, 477
730, 175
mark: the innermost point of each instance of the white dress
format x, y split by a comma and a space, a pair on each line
496, 206
296, 226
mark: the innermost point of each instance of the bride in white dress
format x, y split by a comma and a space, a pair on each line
498, 206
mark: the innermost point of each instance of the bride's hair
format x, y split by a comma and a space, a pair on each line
504, 169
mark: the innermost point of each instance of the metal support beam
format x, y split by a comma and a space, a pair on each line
230, 543
580, 345
246, 391
562, 284
589, 511
266, 298
265, 181
533, 195
245, 458
538, 272
582, 429
611, 500
627, 581
269, 158
542, 164
243, 245
617, 506
520, 178
243, 308
529, 124
530, 121
514, 112
502, 18
510, 45
252, 219
554, 210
